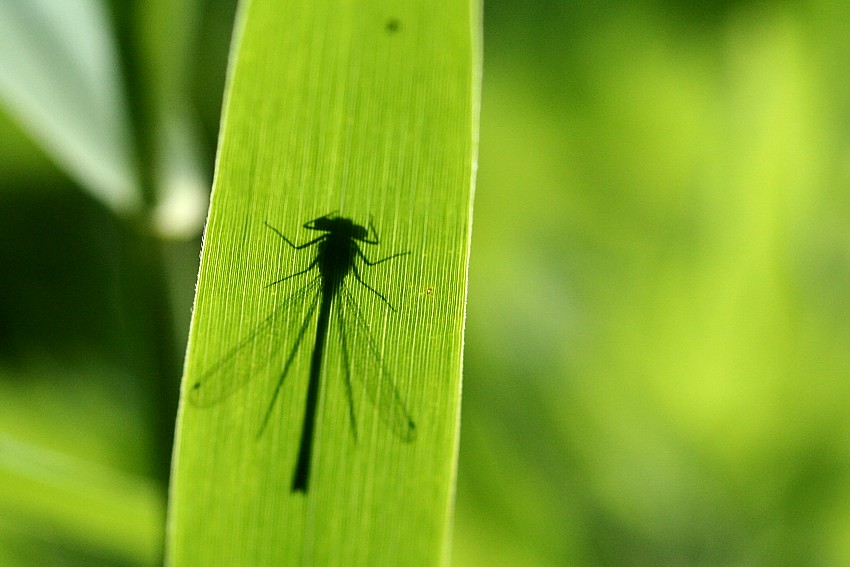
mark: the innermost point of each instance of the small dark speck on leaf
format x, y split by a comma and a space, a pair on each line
392, 25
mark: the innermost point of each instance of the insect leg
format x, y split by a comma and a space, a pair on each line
285, 239
369, 262
290, 276
370, 288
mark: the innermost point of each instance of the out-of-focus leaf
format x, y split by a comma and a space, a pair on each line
70, 503
59, 77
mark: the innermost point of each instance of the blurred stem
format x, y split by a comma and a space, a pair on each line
154, 313
148, 288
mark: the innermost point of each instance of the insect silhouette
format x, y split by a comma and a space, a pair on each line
337, 256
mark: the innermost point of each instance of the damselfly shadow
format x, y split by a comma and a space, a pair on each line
338, 255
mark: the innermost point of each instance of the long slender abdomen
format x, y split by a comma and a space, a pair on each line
301, 477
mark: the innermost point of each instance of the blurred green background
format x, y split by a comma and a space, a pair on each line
657, 340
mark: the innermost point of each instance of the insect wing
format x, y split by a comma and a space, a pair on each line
360, 349
260, 352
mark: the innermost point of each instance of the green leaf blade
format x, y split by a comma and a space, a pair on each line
365, 110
